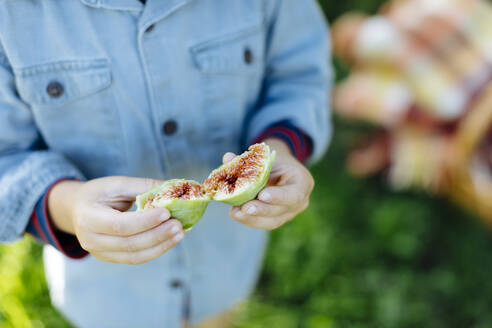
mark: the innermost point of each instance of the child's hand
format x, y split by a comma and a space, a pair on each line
286, 194
95, 212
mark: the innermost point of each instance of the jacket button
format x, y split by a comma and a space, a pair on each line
248, 56
150, 28
170, 127
55, 89
176, 284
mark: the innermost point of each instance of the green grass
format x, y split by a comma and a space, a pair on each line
24, 300
360, 256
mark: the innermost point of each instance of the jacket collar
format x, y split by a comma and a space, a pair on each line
153, 11
127, 5
156, 10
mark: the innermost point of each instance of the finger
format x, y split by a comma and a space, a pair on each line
260, 222
259, 208
288, 195
127, 188
138, 242
108, 221
228, 157
140, 256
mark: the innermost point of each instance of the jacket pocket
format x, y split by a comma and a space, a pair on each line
74, 80
75, 110
230, 69
236, 52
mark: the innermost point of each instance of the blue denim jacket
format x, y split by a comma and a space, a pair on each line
91, 88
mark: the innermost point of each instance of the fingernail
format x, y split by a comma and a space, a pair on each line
239, 214
164, 216
265, 196
174, 229
178, 237
251, 209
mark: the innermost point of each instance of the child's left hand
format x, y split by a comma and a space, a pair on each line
286, 194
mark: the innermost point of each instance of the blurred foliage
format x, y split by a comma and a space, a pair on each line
24, 299
360, 256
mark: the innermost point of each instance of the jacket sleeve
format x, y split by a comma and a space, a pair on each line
43, 230
297, 73
300, 144
27, 167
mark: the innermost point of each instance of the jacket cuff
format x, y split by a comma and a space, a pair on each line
24, 184
299, 143
42, 229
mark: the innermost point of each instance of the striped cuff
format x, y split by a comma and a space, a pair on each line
41, 228
300, 144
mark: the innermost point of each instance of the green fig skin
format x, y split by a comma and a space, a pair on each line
187, 211
252, 190
190, 211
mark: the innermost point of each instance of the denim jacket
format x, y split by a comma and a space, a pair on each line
91, 88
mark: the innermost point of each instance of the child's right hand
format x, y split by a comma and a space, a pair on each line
95, 212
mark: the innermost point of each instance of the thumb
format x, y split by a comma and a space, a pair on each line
228, 157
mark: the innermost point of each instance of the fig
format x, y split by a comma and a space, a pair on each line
185, 200
234, 183
241, 179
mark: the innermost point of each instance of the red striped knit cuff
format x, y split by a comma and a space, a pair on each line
41, 228
299, 142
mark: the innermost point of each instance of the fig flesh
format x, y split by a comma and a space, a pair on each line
185, 199
241, 179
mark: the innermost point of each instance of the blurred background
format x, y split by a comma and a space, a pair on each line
362, 255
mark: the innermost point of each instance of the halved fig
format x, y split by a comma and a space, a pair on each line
185, 199
241, 179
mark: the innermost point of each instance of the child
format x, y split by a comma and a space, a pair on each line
102, 99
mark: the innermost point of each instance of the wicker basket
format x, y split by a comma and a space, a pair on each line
465, 189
